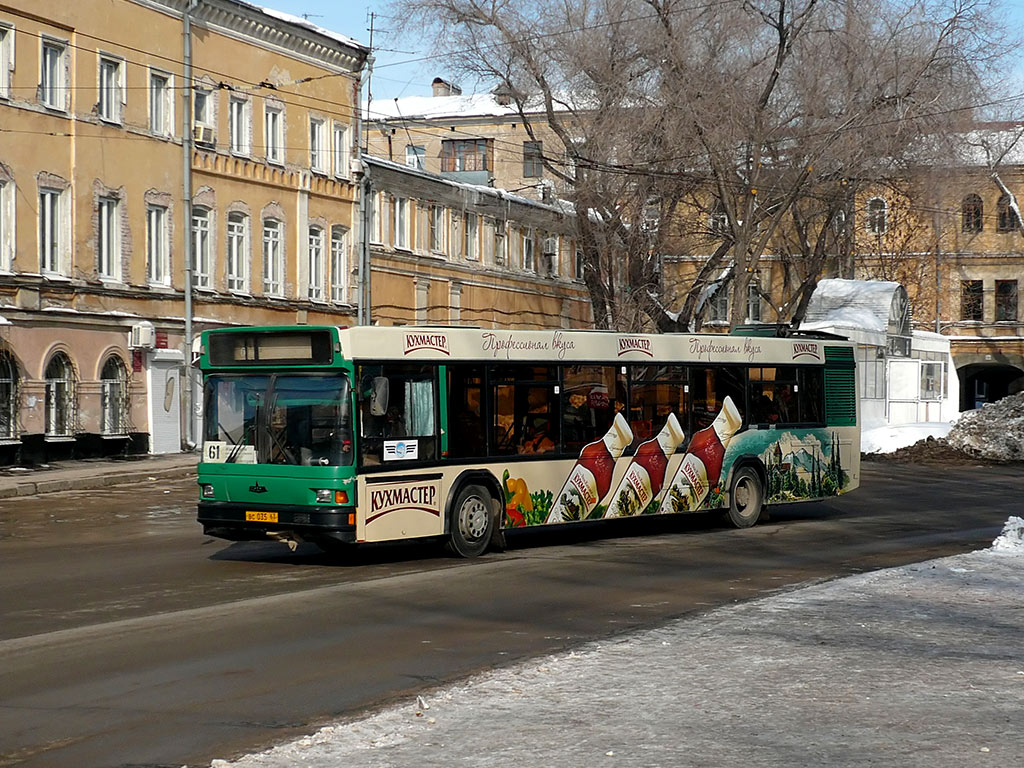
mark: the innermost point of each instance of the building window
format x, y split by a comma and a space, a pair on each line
416, 156
437, 229
60, 397
339, 265
238, 125
6, 225
6, 60
718, 305
459, 155
51, 231
471, 249
161, 104
108, 238
341, 150
580, 264
8, 395
500, 243
273, 131
971, 213
401, 222
238, 251
1006, 215
1006, 301
201, 254
316, 263
157, 251
529, 263
53, 75
754, 300
110, 90
317, 148
113, 398
533, 163
718, 222
972, 300
877, 223
273, 258
203, 117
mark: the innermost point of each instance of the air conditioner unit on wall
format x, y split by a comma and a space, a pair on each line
143, 336
202, 134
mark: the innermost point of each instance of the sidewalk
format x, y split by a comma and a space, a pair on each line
93, 473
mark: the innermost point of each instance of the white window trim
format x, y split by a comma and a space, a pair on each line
158, 270
236, 257
342, 150
869, 224
438, 230
315, 263
108, 239
403, 206
111, 111
273, 263
317, 145
414, 158
6, 58
60, 86
8, 223
528, 236
167, 104
58, 214
201, 232
339, 265
273, 139
240, 136
210, 119
471, 251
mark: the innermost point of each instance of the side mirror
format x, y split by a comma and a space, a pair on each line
379, 396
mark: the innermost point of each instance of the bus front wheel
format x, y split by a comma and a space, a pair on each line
746, 498
470, 522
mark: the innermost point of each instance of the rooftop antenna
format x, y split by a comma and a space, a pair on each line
308, 16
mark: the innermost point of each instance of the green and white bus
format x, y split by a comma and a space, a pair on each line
340, 436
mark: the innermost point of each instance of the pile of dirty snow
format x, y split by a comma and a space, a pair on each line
994, 432
1011, 540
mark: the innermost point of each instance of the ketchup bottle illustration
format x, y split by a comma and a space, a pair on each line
702, 464
645, 475
590, 478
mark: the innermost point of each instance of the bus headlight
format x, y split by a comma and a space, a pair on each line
206, 491
324, 495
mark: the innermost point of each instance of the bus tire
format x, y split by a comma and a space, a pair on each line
746, 498
470, 522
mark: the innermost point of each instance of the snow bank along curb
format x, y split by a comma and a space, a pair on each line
890, 668
995, 431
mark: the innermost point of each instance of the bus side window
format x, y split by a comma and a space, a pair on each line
466, 431
709, 388
810, 395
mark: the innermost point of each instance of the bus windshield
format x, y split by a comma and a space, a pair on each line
302, 419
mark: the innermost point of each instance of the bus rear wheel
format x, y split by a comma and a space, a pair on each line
746, 498
470, 522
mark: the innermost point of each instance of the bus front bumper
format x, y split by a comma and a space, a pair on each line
256, 522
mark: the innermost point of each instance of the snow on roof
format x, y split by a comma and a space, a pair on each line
854, 304
298, 21
467, 105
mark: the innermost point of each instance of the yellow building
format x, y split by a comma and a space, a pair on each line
133, 155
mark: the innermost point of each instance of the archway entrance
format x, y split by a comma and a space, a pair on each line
987, 382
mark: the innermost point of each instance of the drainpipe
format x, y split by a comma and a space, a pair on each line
186, 152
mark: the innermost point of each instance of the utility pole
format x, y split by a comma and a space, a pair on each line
188, 389
364, 316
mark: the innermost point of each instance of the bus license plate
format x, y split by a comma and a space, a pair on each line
260, 517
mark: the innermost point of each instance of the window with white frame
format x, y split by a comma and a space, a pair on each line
437, 228
877, 223
158, 271
718, 305
273, 133
500, 243
317, 145
529, 263
339, 265
161, 104
315, 289
53, 74
51, 231
108, 238
375, 201
60, 397
111, 89
416, 156
402, 222
7, 239
113, 397
6, 59
9, 382
202, 257
237, 256
580, 264
341, 150
754, 301
487, 241
238, 125
202, 107
273, 258
471, 249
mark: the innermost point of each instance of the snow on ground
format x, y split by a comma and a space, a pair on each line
994, 431
913, 666
892, 437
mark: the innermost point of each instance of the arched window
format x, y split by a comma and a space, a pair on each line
60, 397
114, 397
971, 211
1006, 216
878, 216
8, 396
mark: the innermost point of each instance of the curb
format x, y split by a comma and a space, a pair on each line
53, 485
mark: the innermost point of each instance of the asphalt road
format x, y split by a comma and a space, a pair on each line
129, 639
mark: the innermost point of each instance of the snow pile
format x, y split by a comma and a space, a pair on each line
995, 431
1011, 540
892, 437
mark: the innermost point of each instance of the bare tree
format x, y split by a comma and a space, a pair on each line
767, 115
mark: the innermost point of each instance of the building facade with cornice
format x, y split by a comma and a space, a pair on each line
135, 159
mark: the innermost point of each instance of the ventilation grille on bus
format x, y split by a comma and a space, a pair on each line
840, 387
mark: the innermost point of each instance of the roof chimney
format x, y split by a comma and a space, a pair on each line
444, 88
502, 94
